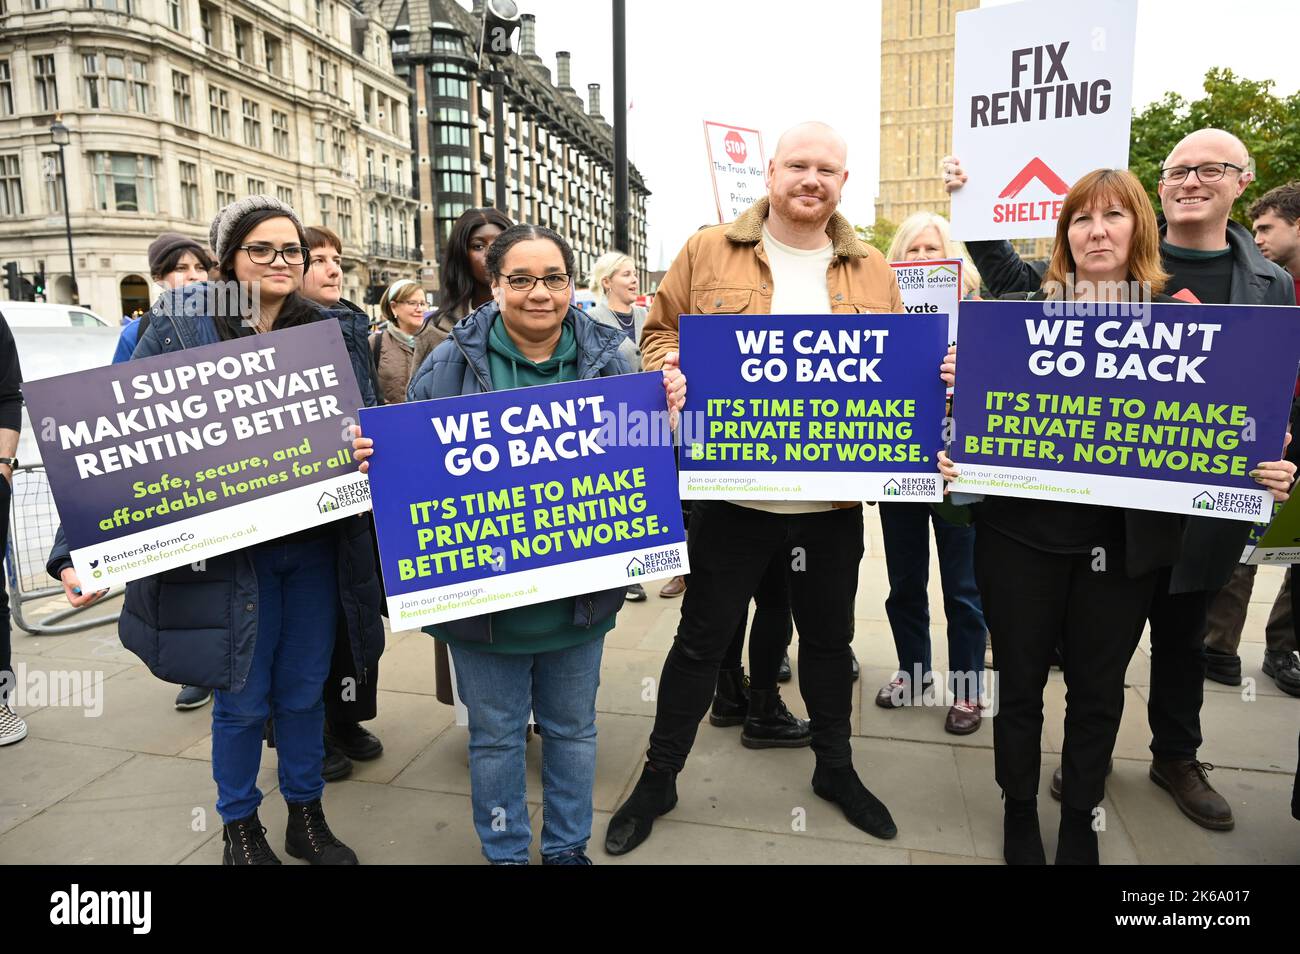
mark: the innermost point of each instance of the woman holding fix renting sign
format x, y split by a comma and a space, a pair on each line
543, 658
258, 624
1036, 561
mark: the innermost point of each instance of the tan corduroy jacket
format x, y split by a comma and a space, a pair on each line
723, 270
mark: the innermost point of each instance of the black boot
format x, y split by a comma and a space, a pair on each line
335, 765
310, 838
784, 673
730, 698
1022, 841
770, 725
655, 794
244, 843
863, 810
1077, 842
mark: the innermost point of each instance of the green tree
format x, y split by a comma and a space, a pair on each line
1268, 124
880, 234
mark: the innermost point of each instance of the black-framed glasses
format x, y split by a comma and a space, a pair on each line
1205, 172
526, 283
265, 254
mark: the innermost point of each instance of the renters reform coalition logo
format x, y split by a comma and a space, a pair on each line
1226, 501
909, 487
1044, 210
668, 561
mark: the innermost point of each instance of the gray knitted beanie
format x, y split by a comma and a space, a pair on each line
226, 222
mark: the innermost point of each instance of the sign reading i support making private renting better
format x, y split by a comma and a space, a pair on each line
1162, 407
812, 407
491, 501
1041, 96
169, 460
737, 167
931, 288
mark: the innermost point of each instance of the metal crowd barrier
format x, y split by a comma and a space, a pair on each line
33, 521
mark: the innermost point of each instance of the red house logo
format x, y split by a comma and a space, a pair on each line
1040, 211
734, 144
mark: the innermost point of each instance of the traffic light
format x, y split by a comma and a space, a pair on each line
13, 281
38, 287
374, 293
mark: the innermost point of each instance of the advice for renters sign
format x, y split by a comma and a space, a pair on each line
1042, 96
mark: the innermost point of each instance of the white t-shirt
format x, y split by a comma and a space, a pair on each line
798, 288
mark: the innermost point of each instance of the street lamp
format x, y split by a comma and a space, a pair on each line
59, 133
500, 20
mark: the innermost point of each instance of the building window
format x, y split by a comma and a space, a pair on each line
280, 132
334, 78
370, 165
345, 217
367, 105
219, 112
243, 39
139, 86
322, 72
320, 13
225, 188
400, 177
6, 90
383, 160
285, 195
453, 136
274, 55
324, 201
210, 22
176, 15
451, 88
90, 80
255, 186
47, 89
11, 186
374, 223
190, 190
319, 132
182, 104
401, 235
53, 177
119, 6
124, 182
252, 124
116, 70
340, 147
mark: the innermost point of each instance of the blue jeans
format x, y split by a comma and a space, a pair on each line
906, 529
297, 587
500, 689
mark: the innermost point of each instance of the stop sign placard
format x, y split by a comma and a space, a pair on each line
734, 143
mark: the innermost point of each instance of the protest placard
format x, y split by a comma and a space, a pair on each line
812, 407
168, 460
1152, 406
509, 498
931, 288
1041, 95
1279, 542
736, 166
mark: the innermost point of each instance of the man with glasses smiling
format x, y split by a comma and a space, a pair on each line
1211, 260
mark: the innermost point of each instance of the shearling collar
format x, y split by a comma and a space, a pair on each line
748, 229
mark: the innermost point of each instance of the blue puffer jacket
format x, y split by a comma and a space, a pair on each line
198, 628
459, 366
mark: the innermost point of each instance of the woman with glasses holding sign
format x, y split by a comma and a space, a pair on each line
258, 624
543, 658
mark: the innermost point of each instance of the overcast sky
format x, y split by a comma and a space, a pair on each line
768, 64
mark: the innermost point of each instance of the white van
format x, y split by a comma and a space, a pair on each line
30, 314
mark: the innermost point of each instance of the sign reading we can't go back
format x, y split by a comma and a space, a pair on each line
1041, 96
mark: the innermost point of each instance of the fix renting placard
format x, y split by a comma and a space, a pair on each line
1042, 94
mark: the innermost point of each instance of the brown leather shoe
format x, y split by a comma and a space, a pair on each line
898, 692
963, 718
1055, 787
673, 588
1186, 781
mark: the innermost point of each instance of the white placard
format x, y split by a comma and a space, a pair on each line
1042, 95
737, 167
931, 288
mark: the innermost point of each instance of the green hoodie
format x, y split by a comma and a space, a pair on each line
542, 627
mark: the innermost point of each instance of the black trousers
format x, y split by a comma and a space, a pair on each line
347, 699
1034, 601
1179, 622
731, 548
6, 658
771, 630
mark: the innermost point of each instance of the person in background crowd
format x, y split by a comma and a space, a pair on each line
1276, 217
921, 237
463, 274
12, 727
344, 737
258, 624
175, 260
543, 658
790, 253
394, 346
614, 283
1210, 259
